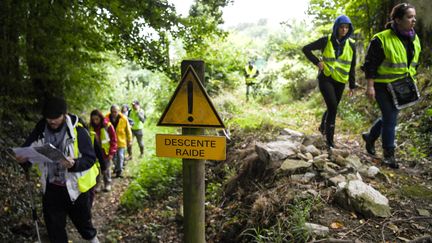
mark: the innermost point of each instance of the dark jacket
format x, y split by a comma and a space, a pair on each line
338, 46
87, 158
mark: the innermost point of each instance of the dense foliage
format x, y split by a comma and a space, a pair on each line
65, 48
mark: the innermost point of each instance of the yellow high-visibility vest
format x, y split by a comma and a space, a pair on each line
104, 137
251, 73
395, 64
338, 68
87, 178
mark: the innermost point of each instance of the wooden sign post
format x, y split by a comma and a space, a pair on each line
193, 180
190, 108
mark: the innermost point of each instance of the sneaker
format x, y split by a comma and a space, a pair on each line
107, 188
94, 240
97, 188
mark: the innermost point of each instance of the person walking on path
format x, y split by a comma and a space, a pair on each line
126, 112
105, 137
392, 54
66, 184
251, 73
138, 117
124, 137
336, 68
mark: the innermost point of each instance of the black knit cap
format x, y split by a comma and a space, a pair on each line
54, 107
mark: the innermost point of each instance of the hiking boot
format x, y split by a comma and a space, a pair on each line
370, 145
322, 127
389, 159
329, 136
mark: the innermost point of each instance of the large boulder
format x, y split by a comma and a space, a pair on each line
362, 198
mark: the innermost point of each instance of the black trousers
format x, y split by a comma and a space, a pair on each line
57, 205
332, 92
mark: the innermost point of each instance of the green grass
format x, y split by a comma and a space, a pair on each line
153, 176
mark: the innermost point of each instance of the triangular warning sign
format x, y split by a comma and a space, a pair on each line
190, 105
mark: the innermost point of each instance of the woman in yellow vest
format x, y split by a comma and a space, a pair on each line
105, 141
336, 68
392, 54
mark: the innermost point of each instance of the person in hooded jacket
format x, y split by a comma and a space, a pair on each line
336, 68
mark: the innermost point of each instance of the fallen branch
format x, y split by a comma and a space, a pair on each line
331, 240
356, 228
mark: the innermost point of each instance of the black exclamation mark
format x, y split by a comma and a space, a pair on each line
190, 100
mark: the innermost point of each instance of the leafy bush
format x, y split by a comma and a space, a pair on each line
154, 180
301, 84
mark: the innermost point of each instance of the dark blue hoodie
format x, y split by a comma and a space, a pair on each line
343, 19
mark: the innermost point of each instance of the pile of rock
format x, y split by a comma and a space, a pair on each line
304, 158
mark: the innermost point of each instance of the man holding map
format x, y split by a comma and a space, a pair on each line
66, 183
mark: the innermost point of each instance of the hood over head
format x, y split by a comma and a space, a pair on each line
343, 19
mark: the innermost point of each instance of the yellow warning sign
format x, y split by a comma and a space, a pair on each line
190, 105
191, 147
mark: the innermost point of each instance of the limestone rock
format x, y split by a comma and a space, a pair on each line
291, 166
372, 171
362, 198
302, 156
338, 159
316, 140
337, 179
292, 135
341, 152
354, 161
278, 150
312, 150
307, 177
316, 229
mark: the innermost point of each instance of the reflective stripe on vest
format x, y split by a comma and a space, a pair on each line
104, 137
85, 179
338, 68
395, 64
251, 73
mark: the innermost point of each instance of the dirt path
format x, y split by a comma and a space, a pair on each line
105, 209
